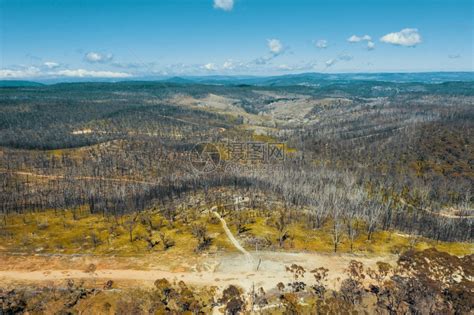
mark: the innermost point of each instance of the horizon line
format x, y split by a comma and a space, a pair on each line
159, 77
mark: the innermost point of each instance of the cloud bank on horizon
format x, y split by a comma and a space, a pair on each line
232, 37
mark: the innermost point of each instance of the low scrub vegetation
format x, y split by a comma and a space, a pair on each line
420, 282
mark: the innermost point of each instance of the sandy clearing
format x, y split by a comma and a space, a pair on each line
219, 271
211, 101
262, 269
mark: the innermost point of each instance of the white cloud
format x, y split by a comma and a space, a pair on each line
228, 65
341, 57
285, 67
322, 43
98, 57
275, 46
199, 69
135, 65
51, 64
356, 39
407, 37
226, 5
297, 67
330, 62
210, 67
370, 45
19, 74
82, 73
34, 72
455, 56
276, 49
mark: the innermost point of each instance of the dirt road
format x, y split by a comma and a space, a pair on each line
230, 236
262, 269
218, 271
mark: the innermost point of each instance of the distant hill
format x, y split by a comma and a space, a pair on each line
310, 79
179, 80
17, 83
321, 79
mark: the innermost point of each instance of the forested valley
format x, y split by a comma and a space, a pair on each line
347, 168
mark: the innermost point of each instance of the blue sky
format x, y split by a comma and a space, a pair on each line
135, 38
